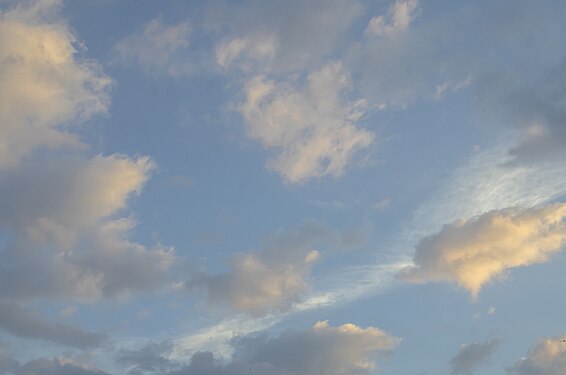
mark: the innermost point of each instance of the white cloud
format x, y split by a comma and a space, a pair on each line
548, 357
398, 18
45, 87
472, 252
159, 48
312, 129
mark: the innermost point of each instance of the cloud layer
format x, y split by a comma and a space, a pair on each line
548, 357
472, 252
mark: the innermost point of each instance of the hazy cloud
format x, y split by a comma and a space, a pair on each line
470, 357
158, 48
472, 252
19, 322
399, 16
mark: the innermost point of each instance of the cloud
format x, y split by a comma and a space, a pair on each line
399, 16
19, 322
64, 236
470, 357
539, 110
472, 252
322, 349
548, 357
275, 276
151, 358
159, 48
312, 129
56, 366
257, 34
46, 89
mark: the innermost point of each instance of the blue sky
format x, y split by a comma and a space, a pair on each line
282, 187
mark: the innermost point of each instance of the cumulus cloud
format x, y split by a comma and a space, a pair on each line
472, 252
548, 357
19, 322
247, 53
312, 129
65, 237
45, 87
398, 18
158, 48
275, 276
470, 357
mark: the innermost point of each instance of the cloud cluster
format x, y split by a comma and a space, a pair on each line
472, 252
275, 276
312, 129
548, 357
322, 349
61, 226
45, 88
470, 357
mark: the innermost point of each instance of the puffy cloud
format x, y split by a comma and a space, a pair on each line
548, 357
398, 18
64, 237
470, 357
159, 48
19, 322
275, 276
322, 349
472, 252
45, 86
311, 129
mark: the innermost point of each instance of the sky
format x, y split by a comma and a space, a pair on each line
246, 187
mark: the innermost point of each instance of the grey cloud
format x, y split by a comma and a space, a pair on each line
275, 276
19, 322
56, 366
470, 357
322, 349
68, 208
151, 358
